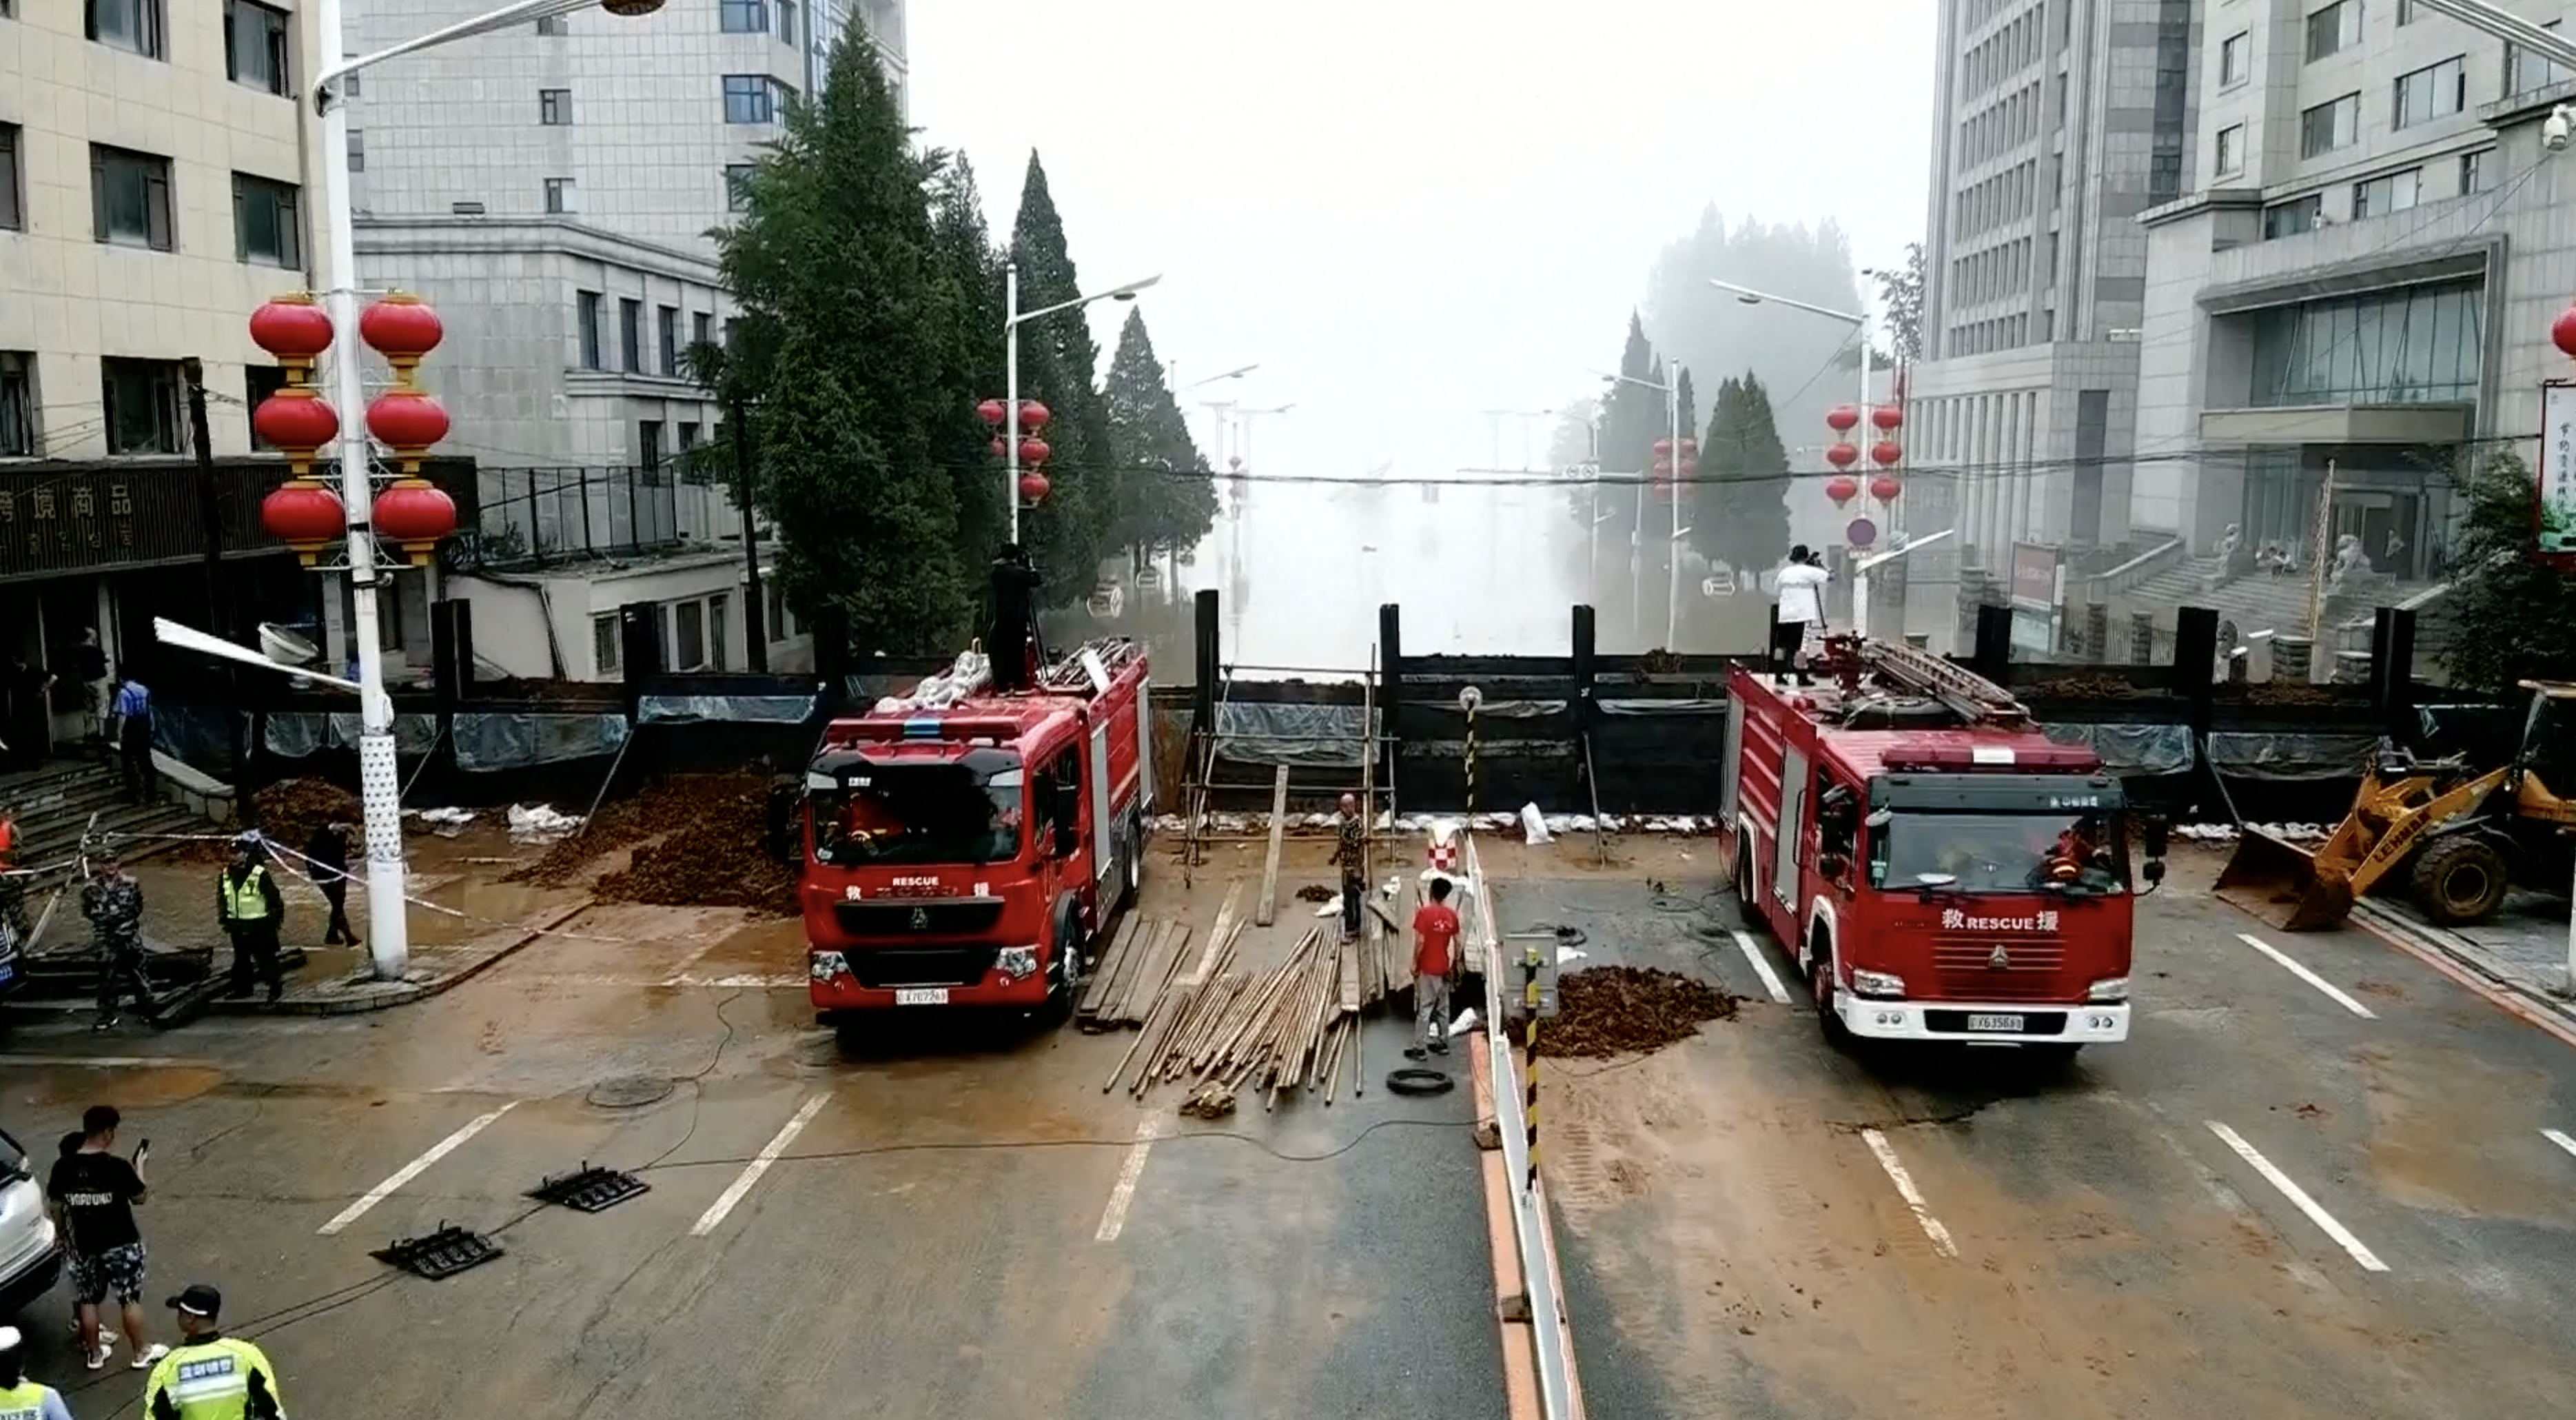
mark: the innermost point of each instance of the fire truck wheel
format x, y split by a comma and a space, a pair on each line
1135, 865
2057, 1056
1064, 979
1820, 985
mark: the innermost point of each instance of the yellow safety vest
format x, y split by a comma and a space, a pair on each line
210, 1380
244, 901
23, 1401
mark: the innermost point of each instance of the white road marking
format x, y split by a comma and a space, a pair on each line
1123, 1192
749, 982
108, 1062
759, 1165
2332, 991
414, 1169
2299, 1198
1762, 967
1913, 1196
2559, 1138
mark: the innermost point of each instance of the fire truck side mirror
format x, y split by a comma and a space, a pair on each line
2155, 833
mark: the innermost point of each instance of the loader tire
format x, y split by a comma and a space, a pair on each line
2459, 880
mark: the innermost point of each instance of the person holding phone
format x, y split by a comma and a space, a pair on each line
97, 1191
70, 1146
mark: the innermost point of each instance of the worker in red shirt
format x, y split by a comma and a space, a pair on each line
1435, 928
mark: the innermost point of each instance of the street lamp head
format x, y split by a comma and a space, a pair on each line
630, 9
1747, 298
1128, 291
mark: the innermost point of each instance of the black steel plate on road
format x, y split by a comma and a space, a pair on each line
444, 1253
590, 1190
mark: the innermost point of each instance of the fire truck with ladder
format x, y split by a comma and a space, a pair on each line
963, 845
1938, 867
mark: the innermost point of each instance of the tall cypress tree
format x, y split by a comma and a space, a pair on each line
1165, 494
1059, 364
1739, 508
970, 273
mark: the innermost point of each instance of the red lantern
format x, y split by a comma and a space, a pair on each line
1033, 415
293, 329
1885, 453
297, 422
1663, 448
1841, 455
1887, 416
402, 329
1235, 463
990, 411
1689, 465
1033, 452
1885, 489
414, 516
1842, 490
1842, 418
2562, 331
1663, 466
1033, 489
407, 421
1663, 492
305, 516
1689, 447
1000, 449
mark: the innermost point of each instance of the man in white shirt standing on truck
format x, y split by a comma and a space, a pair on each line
1800, 587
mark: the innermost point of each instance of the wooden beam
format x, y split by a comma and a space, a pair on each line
1266, 911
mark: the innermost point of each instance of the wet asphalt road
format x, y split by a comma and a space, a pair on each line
1736, 1244
956, 1224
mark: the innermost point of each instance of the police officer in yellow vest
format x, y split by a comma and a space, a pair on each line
249, 906
210, 1376
21, 1398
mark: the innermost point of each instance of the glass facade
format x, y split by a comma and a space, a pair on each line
2417, 346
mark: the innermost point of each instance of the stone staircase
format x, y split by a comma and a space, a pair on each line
2256, 602
59, 802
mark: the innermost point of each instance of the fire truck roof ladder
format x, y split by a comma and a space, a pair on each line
1973, 698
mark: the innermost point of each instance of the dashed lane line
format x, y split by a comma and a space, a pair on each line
2560, 1138
751, 1172
1896, 1174
1122, 1194
414, 1169
1762, 966
2298, 1197
2332, 992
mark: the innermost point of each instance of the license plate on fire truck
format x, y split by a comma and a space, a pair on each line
1995, 1023
938, 996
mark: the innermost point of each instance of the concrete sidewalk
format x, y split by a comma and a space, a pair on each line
2523, 952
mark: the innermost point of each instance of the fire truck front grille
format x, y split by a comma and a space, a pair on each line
2031, 971
900, 917
881, 967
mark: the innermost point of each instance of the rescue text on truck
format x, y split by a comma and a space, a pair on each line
1939, 868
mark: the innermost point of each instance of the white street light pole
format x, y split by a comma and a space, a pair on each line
1012, 319
1243, 427
1671, 389
380, 786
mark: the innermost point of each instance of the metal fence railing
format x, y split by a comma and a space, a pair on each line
533, 516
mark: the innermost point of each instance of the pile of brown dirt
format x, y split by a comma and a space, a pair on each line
2278, 693
291, 809
699, 841
1316, 892
1613, 1010
2095, 686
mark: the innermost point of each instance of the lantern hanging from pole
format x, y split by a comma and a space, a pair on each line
1887, 417
1842, 418
1885, 453
1689, 465
1033, 488
415, 516
1842, 490
1663, 466
2562, 332
295, 330
1033, 451
1000, 449
1663, 448
1033, 415
1885, 489
305, 516
990, 411
1841, 455
403, 329
302, 513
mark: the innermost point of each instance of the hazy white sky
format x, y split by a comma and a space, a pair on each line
1413, 211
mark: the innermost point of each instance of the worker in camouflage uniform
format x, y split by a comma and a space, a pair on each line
113, 903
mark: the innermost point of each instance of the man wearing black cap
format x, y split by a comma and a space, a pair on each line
19, 1395
210, 1376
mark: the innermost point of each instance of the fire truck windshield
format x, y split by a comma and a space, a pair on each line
915, 813
2080, 854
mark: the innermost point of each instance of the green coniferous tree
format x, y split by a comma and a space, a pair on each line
1166, 496
1739, 508
1059, 366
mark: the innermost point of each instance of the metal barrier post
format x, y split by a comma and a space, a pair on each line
1529, 1103
1468, 699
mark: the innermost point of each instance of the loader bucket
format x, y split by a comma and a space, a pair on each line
2282, 883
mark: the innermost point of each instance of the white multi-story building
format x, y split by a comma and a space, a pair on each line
2362, 279
2056, 123
153, 192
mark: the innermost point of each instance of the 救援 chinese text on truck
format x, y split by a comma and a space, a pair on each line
1938, 868
963, 845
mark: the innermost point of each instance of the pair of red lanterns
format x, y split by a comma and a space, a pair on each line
1033, 450
304, 512
1669, 461
1886, 452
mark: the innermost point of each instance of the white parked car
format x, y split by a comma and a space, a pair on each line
31, 1257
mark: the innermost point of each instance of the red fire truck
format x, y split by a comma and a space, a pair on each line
962, 845
1938, 867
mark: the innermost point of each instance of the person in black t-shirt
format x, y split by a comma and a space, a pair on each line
96, 1191
70, 1146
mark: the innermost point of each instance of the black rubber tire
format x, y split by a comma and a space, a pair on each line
850, 1034
1819, 962
1419, 1080
1131, 874
2459, 880
1064, 986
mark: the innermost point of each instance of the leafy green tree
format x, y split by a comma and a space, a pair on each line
1900, 295
969, 270
2513, 617
1059, 366
1739, 508
1165, 492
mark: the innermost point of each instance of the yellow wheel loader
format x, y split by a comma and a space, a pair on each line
2456, 836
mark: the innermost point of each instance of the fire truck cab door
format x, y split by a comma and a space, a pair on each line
1103, 859
1794, 781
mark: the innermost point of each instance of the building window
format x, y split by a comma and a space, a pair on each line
744, 17
562, 197
2333, 29
2434, 91
607, 638
2289, 219
630, 334
349, 85
131, 25
689, 635
702, 328
2231, 150
2416, 345
2233, 56
586, 312
357, 150
554, 107
787, 23
2329, 126
666, 339
142, 405
255, 46
719, 607
2477, 174
555, 25
2394, 192
268, 226
2525, 71
129, 197
688, 435
13, 208
2405, 12
17, 404
750, 98
648, 443
258, 383
777, 630
738, 186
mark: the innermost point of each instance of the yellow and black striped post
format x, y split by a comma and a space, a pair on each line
1529, 1068
1471, 762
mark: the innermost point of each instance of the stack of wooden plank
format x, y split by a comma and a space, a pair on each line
1275, 1031
1144, 953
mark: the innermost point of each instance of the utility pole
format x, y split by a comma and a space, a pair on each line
218, 606
755, 611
